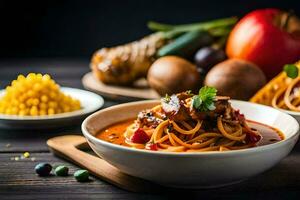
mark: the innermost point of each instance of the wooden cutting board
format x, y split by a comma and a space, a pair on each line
71, 147
140, 89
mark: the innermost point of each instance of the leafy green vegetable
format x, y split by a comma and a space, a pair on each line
213, 24
291, 70
204, 101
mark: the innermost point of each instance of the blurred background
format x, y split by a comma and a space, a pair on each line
75, 29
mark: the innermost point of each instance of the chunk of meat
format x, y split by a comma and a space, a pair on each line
146, 118
223, 107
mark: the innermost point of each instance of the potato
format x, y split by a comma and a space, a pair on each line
172, 74
236, 78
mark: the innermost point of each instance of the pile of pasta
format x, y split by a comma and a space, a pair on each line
281, 92
191, 136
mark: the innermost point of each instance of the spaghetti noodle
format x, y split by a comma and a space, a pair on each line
288, 97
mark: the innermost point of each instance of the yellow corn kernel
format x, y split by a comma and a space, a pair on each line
31, 93
53, 95
8, 88
26, 154
22, 112
76, 107
66, 108
37, 87
46, 77
14, 110
51, 111
20, 77
39, 76
30, 77
55, 87
2, 109
43, 105
14, 82
52, 104
8, 111
44, 98
22, 98
43, 112
22, 106
29, 102
35, 101
33, 111
15, 102
22, 88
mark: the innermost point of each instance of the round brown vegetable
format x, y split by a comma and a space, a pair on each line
236, 78
172, 74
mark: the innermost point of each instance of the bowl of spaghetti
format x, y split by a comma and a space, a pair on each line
191, 141
282, 92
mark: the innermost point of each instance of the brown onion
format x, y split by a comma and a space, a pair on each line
172, 74
236, 78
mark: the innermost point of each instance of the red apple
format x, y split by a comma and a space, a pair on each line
269, 38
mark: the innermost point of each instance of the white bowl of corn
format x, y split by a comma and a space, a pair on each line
37, 102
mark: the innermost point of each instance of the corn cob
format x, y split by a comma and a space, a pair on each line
266, 94
124, 64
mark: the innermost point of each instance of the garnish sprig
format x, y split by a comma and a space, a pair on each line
204, 101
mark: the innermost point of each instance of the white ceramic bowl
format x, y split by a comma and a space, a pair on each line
192, 170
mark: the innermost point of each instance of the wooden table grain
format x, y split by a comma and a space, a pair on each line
18, 180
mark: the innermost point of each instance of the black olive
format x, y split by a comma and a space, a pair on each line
207, 57
43, 169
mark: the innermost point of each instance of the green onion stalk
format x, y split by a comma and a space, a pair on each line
216, 28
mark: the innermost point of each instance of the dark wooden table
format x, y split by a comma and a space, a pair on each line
18, 180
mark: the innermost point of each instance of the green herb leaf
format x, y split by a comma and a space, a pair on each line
204, 101
167, 98
196, 101
207, 93
291, 70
